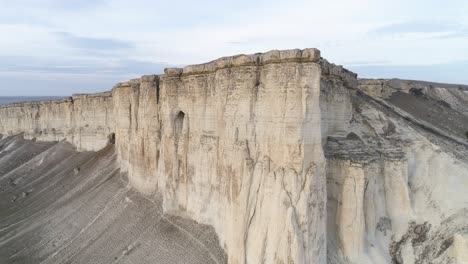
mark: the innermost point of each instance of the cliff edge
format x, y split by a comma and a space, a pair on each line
290, 158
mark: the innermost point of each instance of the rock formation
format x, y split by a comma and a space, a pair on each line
291, 159
62, 206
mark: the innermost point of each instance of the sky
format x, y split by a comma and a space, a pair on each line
61, 47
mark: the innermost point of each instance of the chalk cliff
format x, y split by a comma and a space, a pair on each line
291, 159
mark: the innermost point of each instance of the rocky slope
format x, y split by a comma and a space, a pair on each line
291, 159
58, 205
396, 182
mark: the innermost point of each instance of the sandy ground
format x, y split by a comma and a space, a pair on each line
58, 205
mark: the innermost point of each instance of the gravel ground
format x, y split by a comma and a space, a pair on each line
58, 205
433, 112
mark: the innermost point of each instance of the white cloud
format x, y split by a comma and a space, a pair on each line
409, 32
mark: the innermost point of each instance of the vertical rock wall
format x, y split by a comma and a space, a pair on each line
235, 143
282, 153
241, 150
394, 189
84, 120
137, 130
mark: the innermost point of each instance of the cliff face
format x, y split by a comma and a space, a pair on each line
290, 158
395, 182
84, 120
137, 128
234, 143
252, 127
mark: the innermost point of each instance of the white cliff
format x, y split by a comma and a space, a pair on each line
289, 158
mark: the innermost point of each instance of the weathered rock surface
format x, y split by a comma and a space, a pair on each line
291, 159
84, 120
395, 183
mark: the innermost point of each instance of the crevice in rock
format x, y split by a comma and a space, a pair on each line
158, 90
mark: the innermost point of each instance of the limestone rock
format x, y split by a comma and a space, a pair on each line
290, 158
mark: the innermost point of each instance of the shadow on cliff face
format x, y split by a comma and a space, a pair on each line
58, 205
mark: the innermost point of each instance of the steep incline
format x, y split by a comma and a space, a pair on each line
58, 205
396, 182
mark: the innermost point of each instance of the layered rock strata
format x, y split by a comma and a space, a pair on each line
84, 120
290, 158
